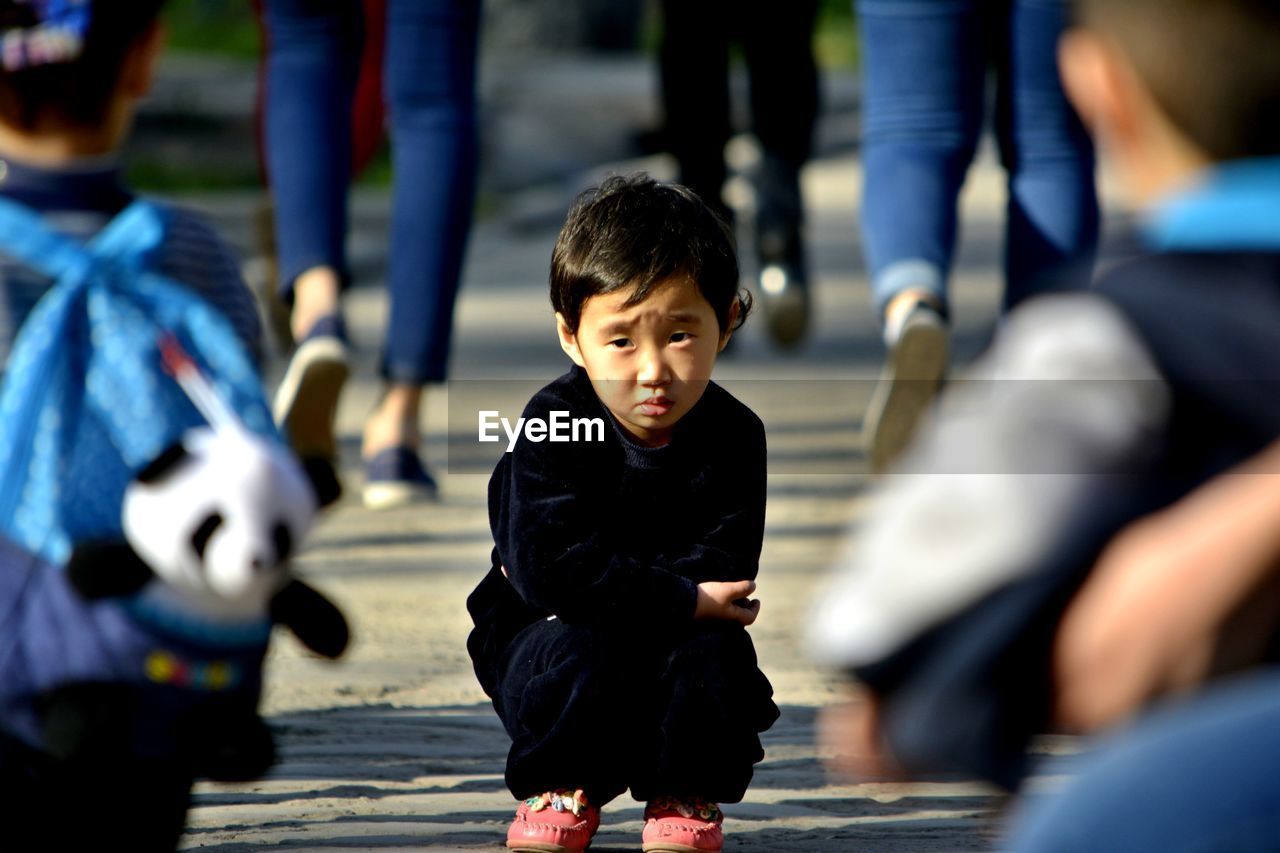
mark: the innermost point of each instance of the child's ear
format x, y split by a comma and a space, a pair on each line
1148, 151
568, 340
1089, 86
139, 63
1102, 86
731, 323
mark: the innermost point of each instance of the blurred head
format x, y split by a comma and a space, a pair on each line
74, 65
1170, 86
644, 281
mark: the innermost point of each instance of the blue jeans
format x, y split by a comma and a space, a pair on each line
312, 69
925, 64
1199, 776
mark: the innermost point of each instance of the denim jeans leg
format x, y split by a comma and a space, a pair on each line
1195, 777
924, 67
312, 68
430, 78
1052, 228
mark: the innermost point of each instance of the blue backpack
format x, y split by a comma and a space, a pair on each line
93, 682
85, 400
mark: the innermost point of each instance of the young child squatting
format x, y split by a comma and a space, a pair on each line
610, 630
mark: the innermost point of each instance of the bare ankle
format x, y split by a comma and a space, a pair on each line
316, 292
395, 422
895, 313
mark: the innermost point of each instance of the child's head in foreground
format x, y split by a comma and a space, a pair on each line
71, 72
644, 281
1173, 86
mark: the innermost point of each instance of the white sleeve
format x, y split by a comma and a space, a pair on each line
1067, 396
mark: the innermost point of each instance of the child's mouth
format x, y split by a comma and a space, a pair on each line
656, 407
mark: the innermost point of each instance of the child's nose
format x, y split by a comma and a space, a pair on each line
653, 369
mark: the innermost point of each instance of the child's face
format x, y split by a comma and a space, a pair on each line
648, 363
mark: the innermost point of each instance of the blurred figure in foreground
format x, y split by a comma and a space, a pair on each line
140, 569
1162, 378
776, 42
925, 84
71, 76
1176, 601
1177, 598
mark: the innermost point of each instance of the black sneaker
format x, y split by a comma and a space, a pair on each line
396, 477
784, 294
783, 282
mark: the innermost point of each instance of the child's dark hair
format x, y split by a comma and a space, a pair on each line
75, 93
1212, 66
635, 233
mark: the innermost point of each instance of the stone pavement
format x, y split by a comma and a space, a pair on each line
396, 748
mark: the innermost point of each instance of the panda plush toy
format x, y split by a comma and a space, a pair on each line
209, 528
137, 667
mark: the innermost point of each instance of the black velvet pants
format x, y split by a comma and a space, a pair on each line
675, 714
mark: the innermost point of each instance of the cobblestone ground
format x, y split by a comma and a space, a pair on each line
396, 747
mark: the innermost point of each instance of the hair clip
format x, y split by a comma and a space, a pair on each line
42, 32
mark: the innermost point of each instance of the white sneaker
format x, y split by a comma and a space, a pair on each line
912, 375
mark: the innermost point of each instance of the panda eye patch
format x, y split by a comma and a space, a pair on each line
160, 467
200, 538
283, 540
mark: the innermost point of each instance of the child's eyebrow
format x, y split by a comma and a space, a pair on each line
684, 318
617, 327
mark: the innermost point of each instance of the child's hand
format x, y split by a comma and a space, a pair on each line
728, 601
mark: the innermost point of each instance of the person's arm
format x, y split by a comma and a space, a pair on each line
1176, 596
549, 535
728, 551
556, 556
549, 510
729, 548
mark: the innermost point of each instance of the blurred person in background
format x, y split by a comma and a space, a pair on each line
925, 85
313, 60
776, 40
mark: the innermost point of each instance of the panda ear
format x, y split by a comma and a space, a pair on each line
323, 478
314, 619
157, 469
107, 570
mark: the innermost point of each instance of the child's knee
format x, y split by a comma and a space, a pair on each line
714, 644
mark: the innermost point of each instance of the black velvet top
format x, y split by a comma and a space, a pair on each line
614, 534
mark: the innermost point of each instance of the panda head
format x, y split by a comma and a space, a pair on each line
216, 518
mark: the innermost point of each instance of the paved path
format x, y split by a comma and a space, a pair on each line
396, 747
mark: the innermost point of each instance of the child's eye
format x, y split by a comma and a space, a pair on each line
619, 343
678, 337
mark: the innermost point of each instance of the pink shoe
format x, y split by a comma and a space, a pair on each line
673, 825
554, 822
